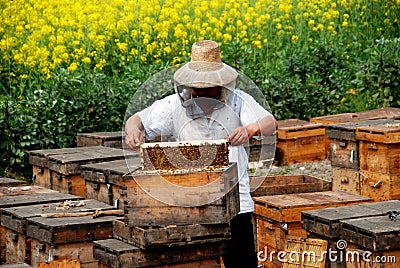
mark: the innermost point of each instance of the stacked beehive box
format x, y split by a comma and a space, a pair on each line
41, 233
176, 211
385, 113
8, 182
380, 160
105, 181
345, 153
108, 139
278, 217
299, 141
60, 169
354, 230
17, 196
288, 184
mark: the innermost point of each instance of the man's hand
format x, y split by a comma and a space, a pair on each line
264, 127
134, 139
134, 132
238, 136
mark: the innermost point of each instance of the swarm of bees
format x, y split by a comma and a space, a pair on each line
185, 156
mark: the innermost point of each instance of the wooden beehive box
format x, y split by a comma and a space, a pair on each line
385, 113
344, 146
182, 183
182, 197
39, 159
17, 197
68, 237
64, 169
23, 190
261, 148
377, 236
327, 222
279, 216
299, 141
108, 139
146, 237
8, 182
380, 148
104, 180
380, 160
116, 253
288, 184
287, 208
14, 219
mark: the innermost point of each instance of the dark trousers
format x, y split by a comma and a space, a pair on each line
240, 250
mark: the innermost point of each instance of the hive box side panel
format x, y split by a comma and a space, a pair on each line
173, 235
346, 179
115, 253
380, 157
41, 252
344, 153
289, 184
306, 149
360, 257
380, 187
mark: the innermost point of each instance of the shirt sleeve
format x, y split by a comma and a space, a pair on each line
156, 119
251, 111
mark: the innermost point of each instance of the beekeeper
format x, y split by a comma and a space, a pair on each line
208, 105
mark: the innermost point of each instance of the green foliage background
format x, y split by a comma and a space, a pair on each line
303, 73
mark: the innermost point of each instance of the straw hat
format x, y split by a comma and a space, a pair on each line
205, 68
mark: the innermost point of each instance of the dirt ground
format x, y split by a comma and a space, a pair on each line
321, 169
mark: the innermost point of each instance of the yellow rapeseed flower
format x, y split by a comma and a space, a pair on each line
86, 60
257, 44
73, 66
123, 47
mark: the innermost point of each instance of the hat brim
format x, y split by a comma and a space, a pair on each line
205, 74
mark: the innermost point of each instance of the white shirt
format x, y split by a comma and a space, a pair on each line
169, 118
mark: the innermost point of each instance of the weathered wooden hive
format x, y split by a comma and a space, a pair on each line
17, 196
355, 229
116, 253
178, 200
104, 181
299, 141
384, 113
8, 182
60, 169
345, 153
380, 160
108, 139
278, 217
18, 247
288, 184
